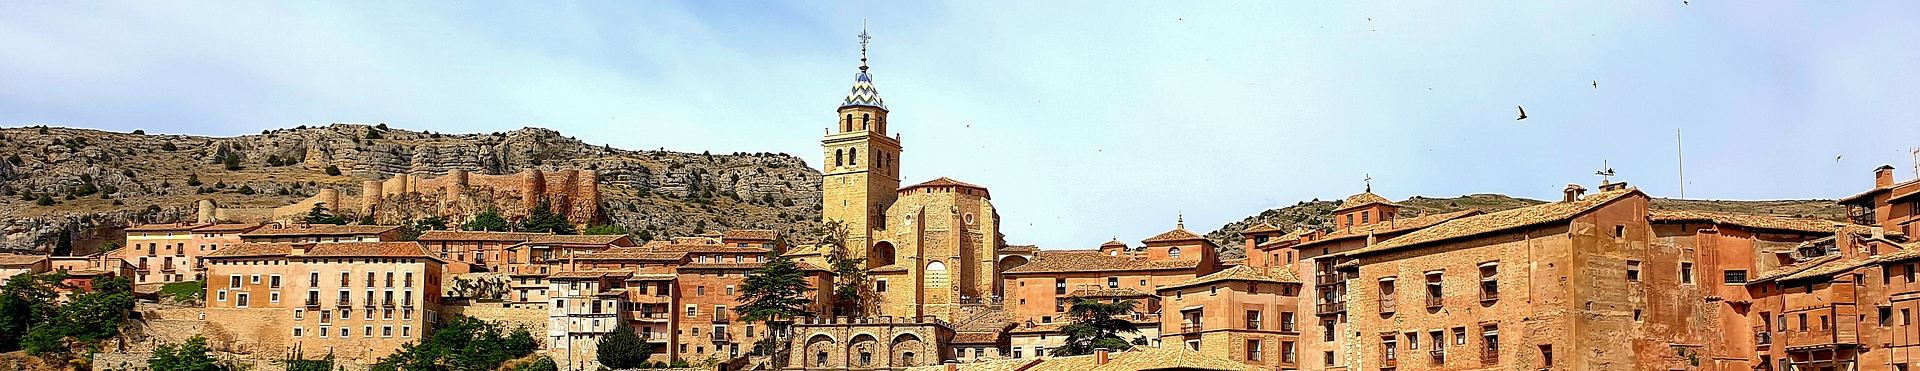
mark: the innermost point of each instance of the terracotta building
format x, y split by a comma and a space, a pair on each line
317, 233
1890, 205
1248, 314
468, 251
358, 300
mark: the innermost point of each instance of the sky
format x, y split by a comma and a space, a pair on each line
1088, 120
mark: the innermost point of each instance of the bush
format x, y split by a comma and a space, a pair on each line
44, 201
333, 170
185, 292
168, 146
189, 356
539, 364
193, 180
231, 161
139, 132
246, 190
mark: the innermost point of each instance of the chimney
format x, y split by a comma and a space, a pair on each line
1615, 186
1573, 192
1883, 176
1879, 232
1099, 357
953, 366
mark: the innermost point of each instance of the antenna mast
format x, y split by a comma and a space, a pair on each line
1680, 157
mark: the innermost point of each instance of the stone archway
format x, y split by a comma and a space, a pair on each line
819, 352
863, 351
880, 255
907, 350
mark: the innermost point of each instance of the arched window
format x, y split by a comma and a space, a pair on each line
820, 359
1173, 253
853, 156
864, 118
848, 124
839, 158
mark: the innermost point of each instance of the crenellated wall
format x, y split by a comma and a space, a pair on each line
459, 195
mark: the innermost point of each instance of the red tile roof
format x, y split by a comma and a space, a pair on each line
1388, 227
750, 234
1750, 221
1263, 227
1499, 221
368, 249
1177, 234
608, 239
1054, 261
1240, 273
320, 230
1363, 199
478, 236
12, 260
226, 228
251, 249
165, 227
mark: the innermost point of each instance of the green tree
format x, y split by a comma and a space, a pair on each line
319, 214
461, 344
489, 221
605, 229
543, 219
44, 200
1097, 325
539, 364
26, 300
774, 294
296, 361
193, 180
852, 291
189, 356
231, 161
623, 349
413, 228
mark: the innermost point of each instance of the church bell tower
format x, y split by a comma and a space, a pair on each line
861, 167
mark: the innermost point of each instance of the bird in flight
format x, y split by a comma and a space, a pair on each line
1523, 113
1836, 158
1596, 84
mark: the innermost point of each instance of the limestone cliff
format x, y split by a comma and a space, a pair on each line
97, 180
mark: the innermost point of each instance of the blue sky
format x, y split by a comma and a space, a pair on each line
1089, 120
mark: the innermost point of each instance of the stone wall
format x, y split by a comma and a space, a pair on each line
535, 319
459, 195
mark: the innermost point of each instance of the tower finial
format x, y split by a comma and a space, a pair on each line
1180, 220
863, 45
1369, 180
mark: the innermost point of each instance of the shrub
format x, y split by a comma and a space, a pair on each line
333, 170
44, 201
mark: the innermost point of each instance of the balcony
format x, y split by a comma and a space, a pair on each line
1489, 296
719, 337
652, 317
1390, 362
1490, 356
386, 303
1191, 326
654, 337
343, 304
1331, 308
1434, 302
313, 303
1762, 338
166, 269
1387, 306
1325, 279
406, 303
1439, 356
1287, 327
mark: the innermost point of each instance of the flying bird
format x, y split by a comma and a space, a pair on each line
1523, 113
1836, 158
1596, 84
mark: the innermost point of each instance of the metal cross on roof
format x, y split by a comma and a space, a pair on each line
863, 44
1369, 181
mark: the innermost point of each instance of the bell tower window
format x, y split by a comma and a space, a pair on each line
846, 126
839, 158
853, 156
864, 119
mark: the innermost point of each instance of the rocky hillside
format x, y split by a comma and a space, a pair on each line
1319, 214
60, 184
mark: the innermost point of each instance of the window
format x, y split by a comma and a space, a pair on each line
1633, 271
1619, 231
1460, 336
1173, 253
1906, 316
1434, 290
1253, 320
1253, 350
273, 282
1059, 286
1490, 343
1328, 356
1686, 273
1546, 355
1286, 321
1390, 349
1366, 217
233, 281
1327, 327
241, 300
1803, 322
693, 311
880, 286
1060, 305
1286, 352
1113, 282
1413, 341
1735, 276
1489, 282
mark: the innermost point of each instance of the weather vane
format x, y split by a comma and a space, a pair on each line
1605, 173
863, 44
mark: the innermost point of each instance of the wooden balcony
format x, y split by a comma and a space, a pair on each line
1762, 338
1435, 302
1331, 308
1191, 327
1327, 279
1439, 356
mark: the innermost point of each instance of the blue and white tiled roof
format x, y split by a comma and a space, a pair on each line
863, 93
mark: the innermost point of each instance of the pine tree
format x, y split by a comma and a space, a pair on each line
189, 356
622, 349
543, 219
1096, 326
488, 221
